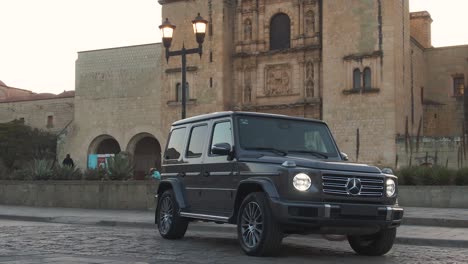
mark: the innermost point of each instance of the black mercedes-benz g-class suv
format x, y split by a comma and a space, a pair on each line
272, 175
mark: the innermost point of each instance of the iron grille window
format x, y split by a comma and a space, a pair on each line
280, 32
459, 86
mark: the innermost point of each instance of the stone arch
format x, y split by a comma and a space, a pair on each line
146, 152
104, 144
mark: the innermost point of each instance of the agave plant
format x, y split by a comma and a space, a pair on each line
67, 173
119, 167
41, 169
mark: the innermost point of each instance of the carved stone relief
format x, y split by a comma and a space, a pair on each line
247, 87
309, 81
310, 23
278, 80
248, 29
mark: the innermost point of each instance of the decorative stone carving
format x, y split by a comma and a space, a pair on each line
278, 80
248, 29
310, 23
247, 87
309, 81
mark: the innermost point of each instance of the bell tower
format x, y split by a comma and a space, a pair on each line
367, 83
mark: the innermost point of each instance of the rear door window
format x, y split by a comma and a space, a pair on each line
196, 141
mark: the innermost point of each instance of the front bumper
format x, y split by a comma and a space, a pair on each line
337, 217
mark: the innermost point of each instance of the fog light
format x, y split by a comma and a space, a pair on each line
390, 187
302, 182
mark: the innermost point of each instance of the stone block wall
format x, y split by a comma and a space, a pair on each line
35, 113
117, 96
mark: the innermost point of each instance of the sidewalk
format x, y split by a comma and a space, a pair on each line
442, 227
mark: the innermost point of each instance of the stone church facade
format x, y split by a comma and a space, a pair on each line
366, 67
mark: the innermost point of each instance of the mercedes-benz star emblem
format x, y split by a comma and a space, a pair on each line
353, 186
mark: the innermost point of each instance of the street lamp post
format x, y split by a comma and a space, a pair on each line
199, 28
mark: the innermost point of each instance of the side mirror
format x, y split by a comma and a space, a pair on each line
222, 149
344, 156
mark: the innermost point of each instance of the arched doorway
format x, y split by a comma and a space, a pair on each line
146, 152
104, 144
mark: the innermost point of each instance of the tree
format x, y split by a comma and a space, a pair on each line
20, 143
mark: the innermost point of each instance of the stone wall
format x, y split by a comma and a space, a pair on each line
444, 151
137, 195
444, 112
117, 98
35, 113
433, 196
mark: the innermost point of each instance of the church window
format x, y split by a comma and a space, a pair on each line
357, 79
280, 32
179, 92
459, 85
367, 78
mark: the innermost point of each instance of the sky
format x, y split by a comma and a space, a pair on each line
39, 40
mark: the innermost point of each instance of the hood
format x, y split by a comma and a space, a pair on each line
317, 163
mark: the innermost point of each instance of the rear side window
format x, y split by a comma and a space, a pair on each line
197, 138
175, 145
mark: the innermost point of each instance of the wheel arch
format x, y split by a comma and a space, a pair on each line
177, 187
249, 186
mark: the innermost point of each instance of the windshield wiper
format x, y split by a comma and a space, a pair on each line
274, 150
315, 153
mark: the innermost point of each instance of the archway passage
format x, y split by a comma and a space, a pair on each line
108, 146
146, 154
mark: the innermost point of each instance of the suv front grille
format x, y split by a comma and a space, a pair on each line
361, 186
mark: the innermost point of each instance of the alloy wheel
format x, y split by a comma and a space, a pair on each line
252, 225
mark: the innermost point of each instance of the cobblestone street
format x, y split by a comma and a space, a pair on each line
30, 242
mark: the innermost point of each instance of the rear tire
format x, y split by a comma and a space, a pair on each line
257, 231
170, 224
373, 245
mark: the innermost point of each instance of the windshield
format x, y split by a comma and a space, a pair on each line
283, 136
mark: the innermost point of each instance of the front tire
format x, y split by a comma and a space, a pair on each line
258, 232
170, 224
373, 245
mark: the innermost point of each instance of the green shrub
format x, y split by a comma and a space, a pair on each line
119, 167
66, 173
462, 177
421, 175
41, 169
94, 174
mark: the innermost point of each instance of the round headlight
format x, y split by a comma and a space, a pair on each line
390, 187
302, 182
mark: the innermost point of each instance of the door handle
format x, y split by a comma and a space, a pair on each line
206, 174
181, 174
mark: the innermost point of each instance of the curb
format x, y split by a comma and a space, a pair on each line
438, 222
427, 242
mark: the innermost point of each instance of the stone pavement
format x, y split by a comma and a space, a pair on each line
443, 227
